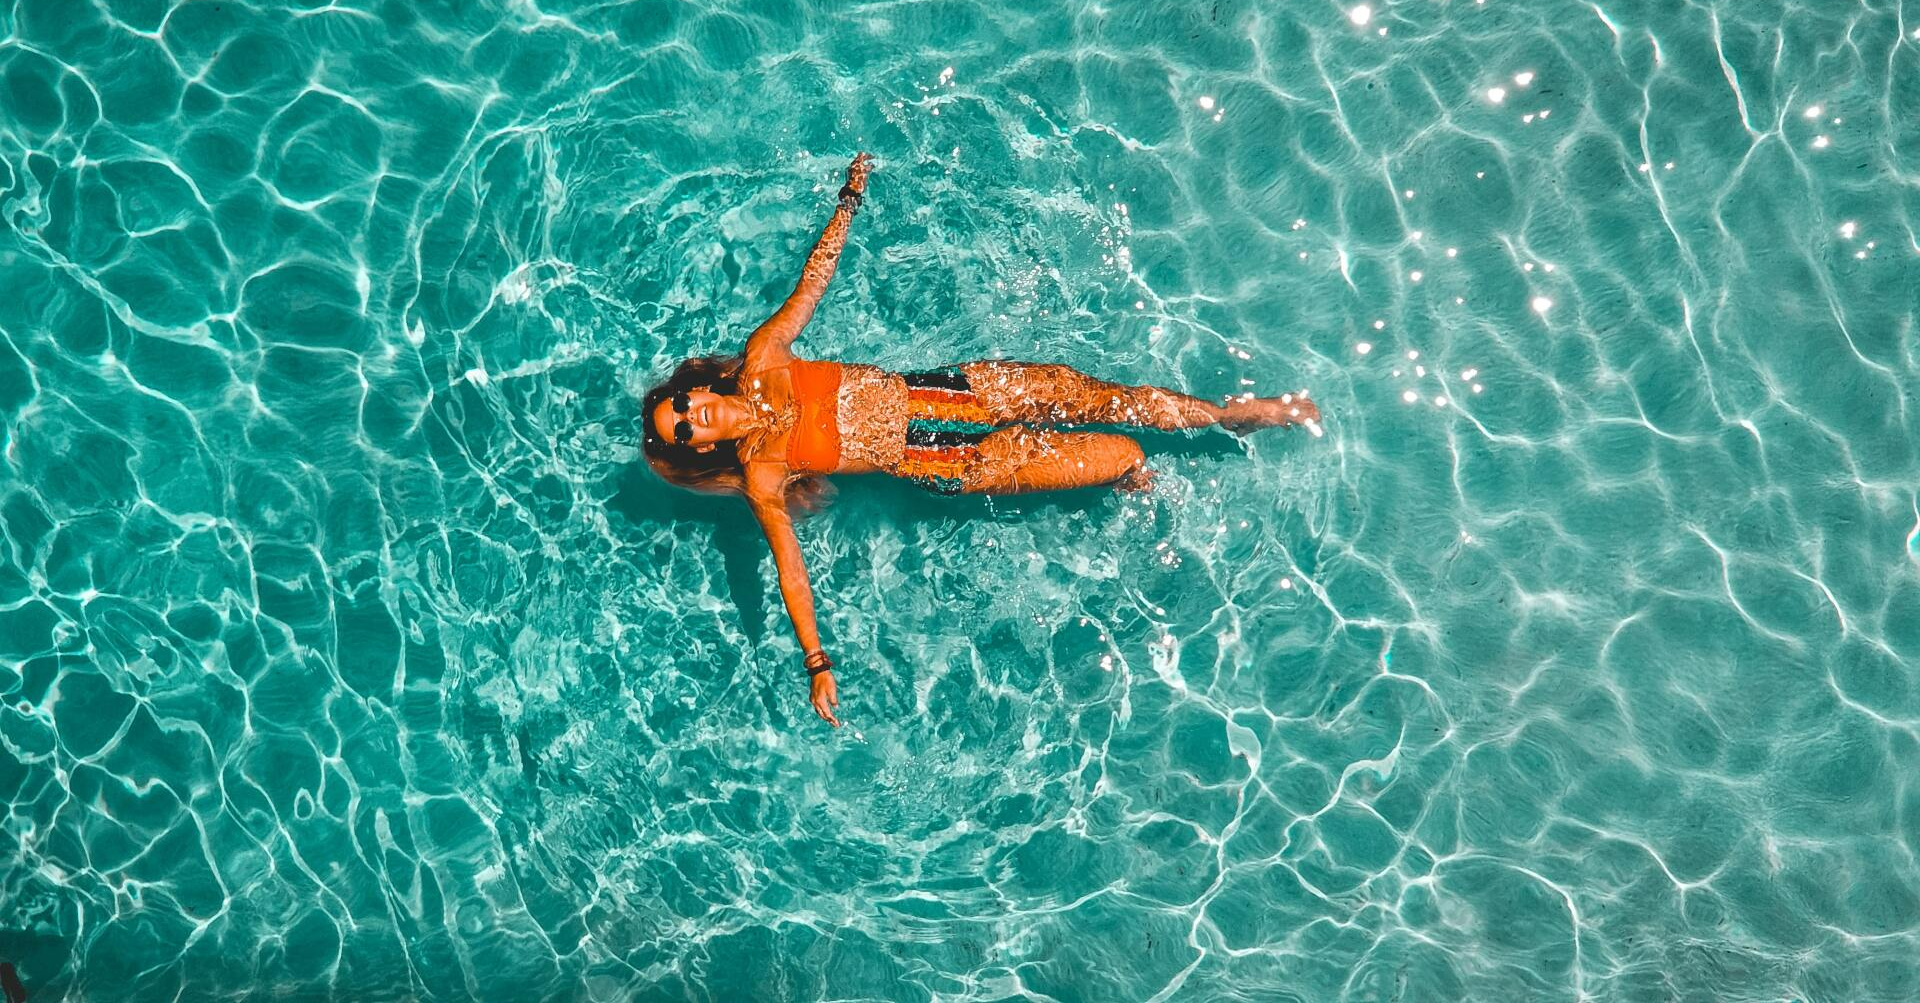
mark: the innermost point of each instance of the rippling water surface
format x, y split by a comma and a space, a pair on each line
346, 649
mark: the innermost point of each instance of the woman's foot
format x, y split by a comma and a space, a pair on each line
1246, 413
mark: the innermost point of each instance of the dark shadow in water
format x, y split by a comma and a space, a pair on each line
642, 498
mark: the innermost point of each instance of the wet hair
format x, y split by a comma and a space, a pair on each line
717, 470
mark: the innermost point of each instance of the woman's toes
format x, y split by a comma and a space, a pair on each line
1301, 410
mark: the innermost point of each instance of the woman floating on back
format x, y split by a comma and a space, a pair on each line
768, 425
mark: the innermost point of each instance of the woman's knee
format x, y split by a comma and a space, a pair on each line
1021, 459
1108, 459
1044, 393
1009, 369
1102, 457
1019, 382
1130, 456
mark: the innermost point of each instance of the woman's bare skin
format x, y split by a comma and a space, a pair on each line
1028, 454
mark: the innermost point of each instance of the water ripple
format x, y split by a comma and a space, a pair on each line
348, 651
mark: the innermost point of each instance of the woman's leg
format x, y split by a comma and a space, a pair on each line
1047, 394
1019, 459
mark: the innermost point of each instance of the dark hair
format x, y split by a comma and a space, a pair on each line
718, 469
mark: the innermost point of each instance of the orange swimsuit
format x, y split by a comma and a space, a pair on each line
813, 447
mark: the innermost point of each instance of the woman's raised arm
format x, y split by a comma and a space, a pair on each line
775, 337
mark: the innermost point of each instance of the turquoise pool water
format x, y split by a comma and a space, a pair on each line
346, 651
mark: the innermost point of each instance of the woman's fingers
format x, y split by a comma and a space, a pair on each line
826, 696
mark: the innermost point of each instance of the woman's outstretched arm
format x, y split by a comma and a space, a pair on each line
775, 337
771, 509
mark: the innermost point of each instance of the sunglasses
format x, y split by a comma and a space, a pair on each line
682, 430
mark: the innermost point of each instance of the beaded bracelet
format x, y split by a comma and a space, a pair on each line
817, 663
850, 199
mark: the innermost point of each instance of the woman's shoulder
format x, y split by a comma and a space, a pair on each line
766, 358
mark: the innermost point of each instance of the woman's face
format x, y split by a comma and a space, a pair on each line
692, 418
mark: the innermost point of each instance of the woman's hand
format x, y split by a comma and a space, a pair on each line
857, 172
826, 696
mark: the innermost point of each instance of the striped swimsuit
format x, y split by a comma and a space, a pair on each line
944, 428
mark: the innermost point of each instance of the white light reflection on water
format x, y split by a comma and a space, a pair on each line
1376, 588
